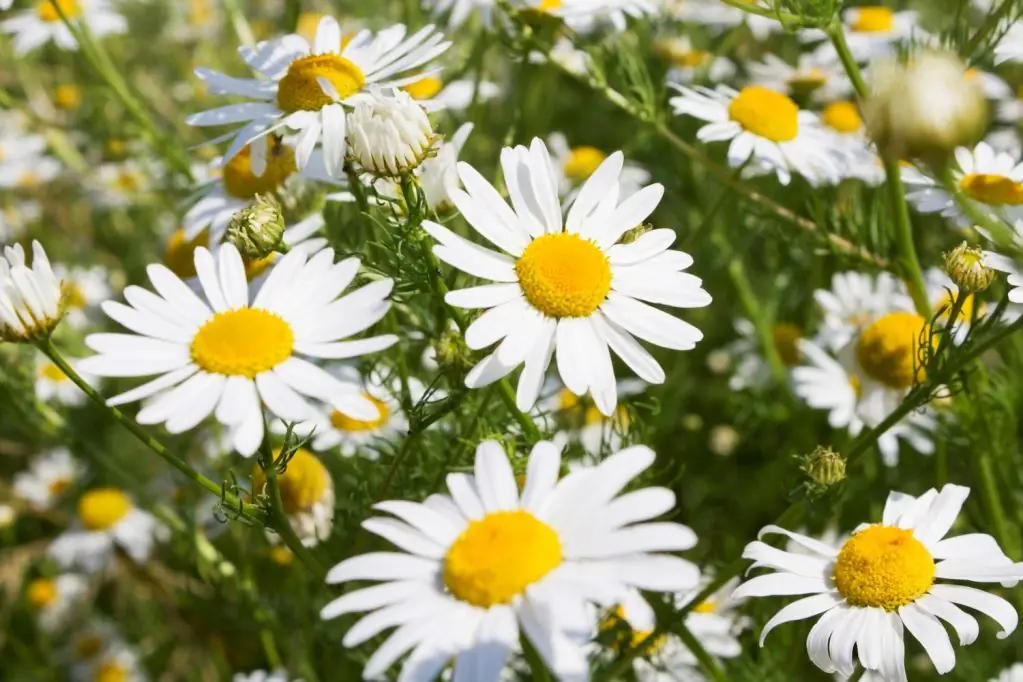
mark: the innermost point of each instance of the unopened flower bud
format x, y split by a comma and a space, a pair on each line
31, 299
824, 466
924, 109
257, 230
965, 265
450, 351
389, 135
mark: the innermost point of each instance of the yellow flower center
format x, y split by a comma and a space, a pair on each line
51, 372
180, 254
873, 20
883, 566
343, 422
706, 606
88, 646
564, 275
115, 147
128, 181
303, 483
41, 593
499, 556
786, 338
887, 349
689, 59
583, 162
200, 13
549, 5
110, 671
424, 88
67, 96
300, 89
102, 508
243, 342
630, 639
47, 12
58, 486
842, 116
805, 81
995, 190
766, 113
29, 179
281, 555
241, 182
568, 400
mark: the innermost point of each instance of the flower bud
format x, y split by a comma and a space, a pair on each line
31, 300
824, 466
924, 109
389, 135
450, 351
257, 230
965, 265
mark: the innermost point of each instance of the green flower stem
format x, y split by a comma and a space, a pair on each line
708, 663
990, 497
860, 670
535, 661
988, 27
836, 34
230, 501
755, 312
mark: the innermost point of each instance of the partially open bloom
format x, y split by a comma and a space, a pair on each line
31, 303
48, 477
481, 564
55, 600
885, 580
389, 135
966, 268
33, 28
107, 518
307, 495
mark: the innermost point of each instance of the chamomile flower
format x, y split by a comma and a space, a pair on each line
751, 370
307, 494
871, 31
993, 86
573, 166
85, 288
858, 159
688, 63
309, 87
118, 662
888, 578
52, 384
48, 476
1011, 674
24, 163
225, 353
480, 565
764, 126
566, 286
824, 79
31, 301
55, 600
1010, 47
854, 301
107, 518
118, 185
16, 217
33, 28
433, 94
581, 422
87, 645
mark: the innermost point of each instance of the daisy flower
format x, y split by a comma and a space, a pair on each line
870, 31
1011, 674
433, 94
52, 384
689, 63
33, 28
438, 175
487, 561
85, 288
822, 78
31, 300
566, 287
1010, 47
573, 166
118, 662
720, 16
224, 353
854, 301
992, 181
888, 578
580, 420
55, 600
48, 476
764, 126
23, 161
87, 644
857, 158
16, 217
309, 87
307, 494
993, 86
118, 185
107, 518
1014, 270
751, 369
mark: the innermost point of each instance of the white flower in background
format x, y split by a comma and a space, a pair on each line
87, 643
1010, 47
389, 135
857, 157
307, 495
30, 298
459, 11
1011, 674
886, 580
564, 284
23, 160
55, 600
854, 301
33, 28
751, 369
438, 174
222, 355
1010, 267
587, 15
993, 86
118, 662
262, 676
52, 384
309, 88
824, 79
764, 126
107, 518
720, 16
689, 63
85, 288
581, 422
870, 32
433, 94
48, 476
479, 565
119, 185
16, 217
573, 166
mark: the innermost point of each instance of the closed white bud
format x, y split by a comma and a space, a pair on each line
389, 135
31, 303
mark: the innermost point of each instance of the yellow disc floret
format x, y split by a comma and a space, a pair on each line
48, 13
766, 113
842, 116
303, 484
424, 88
996, 190
300, 88
343, 422
41, 592
243, 342
241, 182
786, 338
102, 508
887, 349
583, 162
873, 20
564, 275
499, 556
883, 566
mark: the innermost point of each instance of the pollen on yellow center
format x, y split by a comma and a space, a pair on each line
842, 116
497, 557
996, 190
128, 181
564, 275
180, 254
583, 162
883, 566
47, 12
241, 182
887, 349
424, 88
242, 342
41, 592
303, 483
786, 336
343, 422
873, 20
110, 671
766, 113
102, 508
300, 89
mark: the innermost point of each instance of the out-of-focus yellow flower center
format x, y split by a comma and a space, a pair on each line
885, 567
180, 254
110, 671
200, 12
706, 606
242, 342
67, 96
343, 422
41, 592
996, 190
634, 639
583, 162
766, 113
887, 349
254, 267
72, 295
303, 483
873, 20
115, 147
842, 116
689, 59
786, 336
965, 313
300, 89
50, 371
564, 275
47, 12
58, 486
424, 88
805, 81
87, 646
549, 5
128, 181
29, 179
241, 182
102, 508
281, 555
499, 556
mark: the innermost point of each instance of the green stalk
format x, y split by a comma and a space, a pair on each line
754, 311
708, 663
990, 497
535, 661
990, 24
